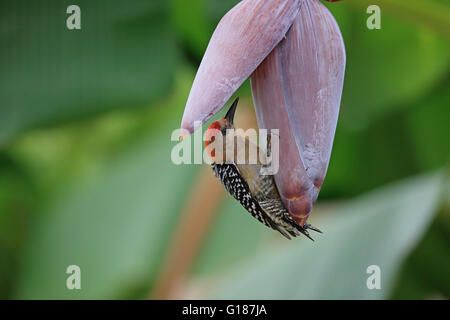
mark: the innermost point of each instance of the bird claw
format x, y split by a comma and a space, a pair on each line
307, 226
306, 233
310, 227
302, 230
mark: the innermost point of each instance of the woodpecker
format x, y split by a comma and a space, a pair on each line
256, 192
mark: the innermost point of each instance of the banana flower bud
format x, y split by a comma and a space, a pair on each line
294, 52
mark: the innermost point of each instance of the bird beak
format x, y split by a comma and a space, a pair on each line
230, 114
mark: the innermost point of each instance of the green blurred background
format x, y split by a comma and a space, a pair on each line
86, 178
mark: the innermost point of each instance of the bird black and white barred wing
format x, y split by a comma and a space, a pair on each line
229, 175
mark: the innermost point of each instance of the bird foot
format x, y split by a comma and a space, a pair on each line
310, 227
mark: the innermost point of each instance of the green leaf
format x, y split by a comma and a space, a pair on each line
432, 13
124, 56
235, 235
17, 196
115, 226
383, 76
425, 272
428, 129
190, 21
380, 229
218, 9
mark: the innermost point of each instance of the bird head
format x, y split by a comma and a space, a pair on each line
220, 127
